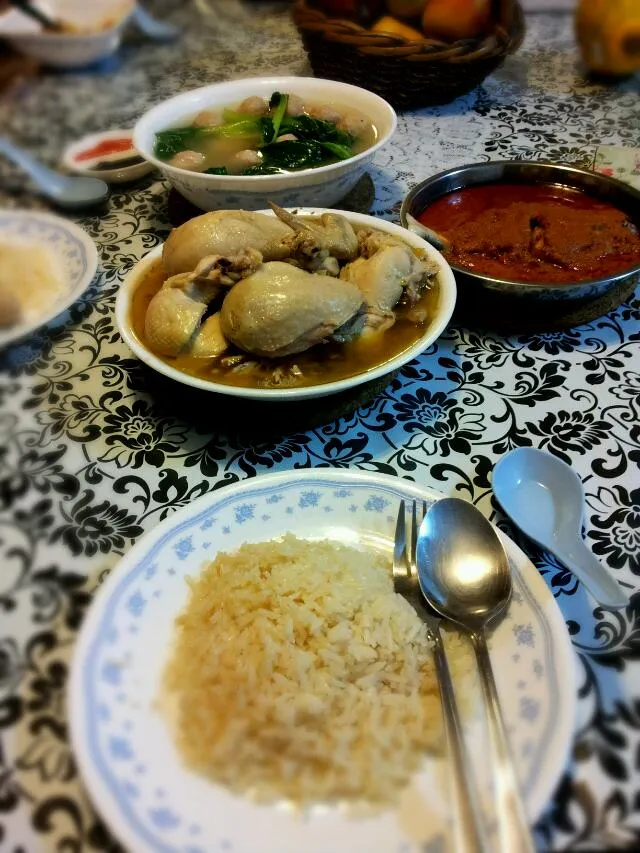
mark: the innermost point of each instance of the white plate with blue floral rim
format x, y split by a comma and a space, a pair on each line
121, 739
74, 251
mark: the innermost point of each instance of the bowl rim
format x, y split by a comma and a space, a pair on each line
432, 332
70, 38
264, 180
558, 168
137, 169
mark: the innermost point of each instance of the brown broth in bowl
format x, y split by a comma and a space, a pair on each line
542, 233
325, 362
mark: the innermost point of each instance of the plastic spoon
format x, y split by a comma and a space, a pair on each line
66, 192
152, 28
544, 497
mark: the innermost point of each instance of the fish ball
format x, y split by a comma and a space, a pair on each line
248, 157
354, 125
295, 106
206, 118
254, 106
327, 113
192, 160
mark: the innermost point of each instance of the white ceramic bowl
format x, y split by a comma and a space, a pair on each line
69, 50
323, 186
446, 304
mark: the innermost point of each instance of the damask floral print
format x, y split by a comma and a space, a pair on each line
445, 426
555, 343
574, 432
616, 520
90, 528
91, 455
11, 665
135, 437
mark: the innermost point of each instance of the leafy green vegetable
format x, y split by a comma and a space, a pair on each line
340, 151
262, 169
170, 142
244, 127
304, 154
229, 116
317, 143
278, 105
266, 128
306, 127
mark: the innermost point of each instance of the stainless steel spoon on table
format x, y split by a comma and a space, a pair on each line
70, 193
464, 574
471, 834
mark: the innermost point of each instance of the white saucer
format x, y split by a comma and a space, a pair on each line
116, 175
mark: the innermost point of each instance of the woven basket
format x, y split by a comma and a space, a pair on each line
406, 73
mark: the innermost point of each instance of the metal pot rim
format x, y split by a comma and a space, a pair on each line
524, 167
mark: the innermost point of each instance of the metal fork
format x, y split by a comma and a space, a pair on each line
469, 825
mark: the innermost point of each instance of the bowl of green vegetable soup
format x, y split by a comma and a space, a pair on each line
243, 143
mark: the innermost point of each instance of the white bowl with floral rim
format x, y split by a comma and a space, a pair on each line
322, 186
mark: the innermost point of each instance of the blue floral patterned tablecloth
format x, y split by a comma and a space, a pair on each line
90, 459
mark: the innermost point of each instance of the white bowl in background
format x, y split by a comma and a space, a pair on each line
323, 186
444, 310
103, 22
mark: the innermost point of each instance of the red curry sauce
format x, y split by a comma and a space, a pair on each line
534, 233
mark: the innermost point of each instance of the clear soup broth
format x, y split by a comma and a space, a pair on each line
261, 136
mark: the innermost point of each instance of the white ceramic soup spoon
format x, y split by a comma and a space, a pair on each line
153, 28
544, 497
70, 193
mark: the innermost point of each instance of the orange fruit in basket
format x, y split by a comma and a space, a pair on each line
451, 20
387, 24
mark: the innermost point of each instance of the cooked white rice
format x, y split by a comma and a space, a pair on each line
299, 673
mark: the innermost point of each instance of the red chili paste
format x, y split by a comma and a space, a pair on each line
104, 148
534, 233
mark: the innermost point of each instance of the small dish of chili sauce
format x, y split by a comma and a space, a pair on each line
109, 155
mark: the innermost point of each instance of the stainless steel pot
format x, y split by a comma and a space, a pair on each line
606, 189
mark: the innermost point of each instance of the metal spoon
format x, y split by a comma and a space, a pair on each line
70, 193
464, 574
544, 497
437, 240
